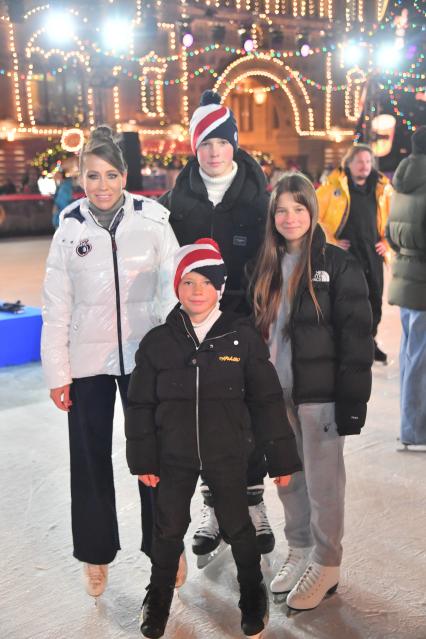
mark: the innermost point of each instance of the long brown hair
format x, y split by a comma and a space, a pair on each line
267, 280
353, 152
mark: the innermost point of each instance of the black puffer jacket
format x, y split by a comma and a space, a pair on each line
406, 233
237, 223
332, 356
198, 405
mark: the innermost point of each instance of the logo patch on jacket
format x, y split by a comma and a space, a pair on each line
239, 240
83, 248
321, 276
229, 358
337, 193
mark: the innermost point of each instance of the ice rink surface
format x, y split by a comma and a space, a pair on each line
382, 592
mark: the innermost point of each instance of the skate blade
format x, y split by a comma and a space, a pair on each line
279, 597
412, 448
329, 592
205, 560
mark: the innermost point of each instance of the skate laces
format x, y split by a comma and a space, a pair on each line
292, 560
260, 519
308, 579
208, 526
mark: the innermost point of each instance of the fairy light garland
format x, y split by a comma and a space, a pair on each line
405, 120
184, 82
32, 12
116, 98
15, 63
151, 69
328, 92
171, 33
158, 94
355, 80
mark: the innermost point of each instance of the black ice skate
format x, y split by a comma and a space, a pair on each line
207, 542
155, 611
254, 606
264, 536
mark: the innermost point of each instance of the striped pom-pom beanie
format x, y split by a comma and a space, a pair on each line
212, 120
203, 257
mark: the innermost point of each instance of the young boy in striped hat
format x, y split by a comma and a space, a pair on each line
203, 389
221, 193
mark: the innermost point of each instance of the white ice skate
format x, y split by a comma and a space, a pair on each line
289, 573
316, 582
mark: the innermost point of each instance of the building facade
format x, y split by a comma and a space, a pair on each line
277, 63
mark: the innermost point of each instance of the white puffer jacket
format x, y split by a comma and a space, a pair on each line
104, 289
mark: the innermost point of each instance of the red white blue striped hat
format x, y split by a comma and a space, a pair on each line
212, 120
203, 257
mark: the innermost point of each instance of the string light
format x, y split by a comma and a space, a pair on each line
355, 79
15, 63
157, 99
116, 99
405, 120
185, 98
153, 71
328, 92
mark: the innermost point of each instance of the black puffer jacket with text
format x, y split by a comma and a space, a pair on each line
199, 405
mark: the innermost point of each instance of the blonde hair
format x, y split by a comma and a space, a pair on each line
353, 152
104, 145
267, 280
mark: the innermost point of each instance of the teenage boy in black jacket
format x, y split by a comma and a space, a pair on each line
221, 193
202, 389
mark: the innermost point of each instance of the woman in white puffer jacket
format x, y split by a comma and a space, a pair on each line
108, 282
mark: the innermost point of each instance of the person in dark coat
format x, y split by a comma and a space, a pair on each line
221, 193
203, 389
311, 304
406, 233
353, 211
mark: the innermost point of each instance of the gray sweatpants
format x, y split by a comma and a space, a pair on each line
314, 500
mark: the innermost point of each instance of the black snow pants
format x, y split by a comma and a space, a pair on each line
373, 271
93, 510
172, 517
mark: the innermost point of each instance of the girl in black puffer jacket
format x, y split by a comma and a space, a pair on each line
311, 304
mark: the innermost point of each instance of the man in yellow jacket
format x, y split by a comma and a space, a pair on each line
353, 211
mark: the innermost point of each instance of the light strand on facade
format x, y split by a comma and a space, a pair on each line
15, 64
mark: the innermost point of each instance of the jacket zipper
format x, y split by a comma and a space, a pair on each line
117, 302
116, 221
197, 397
197, 390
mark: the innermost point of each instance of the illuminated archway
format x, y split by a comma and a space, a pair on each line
263, 64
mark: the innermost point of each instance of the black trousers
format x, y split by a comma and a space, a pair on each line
93, 510
172, 518
374, 276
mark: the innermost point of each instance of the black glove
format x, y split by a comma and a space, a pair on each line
350, 417
12, 307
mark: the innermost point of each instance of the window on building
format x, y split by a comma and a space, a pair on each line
59, 92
